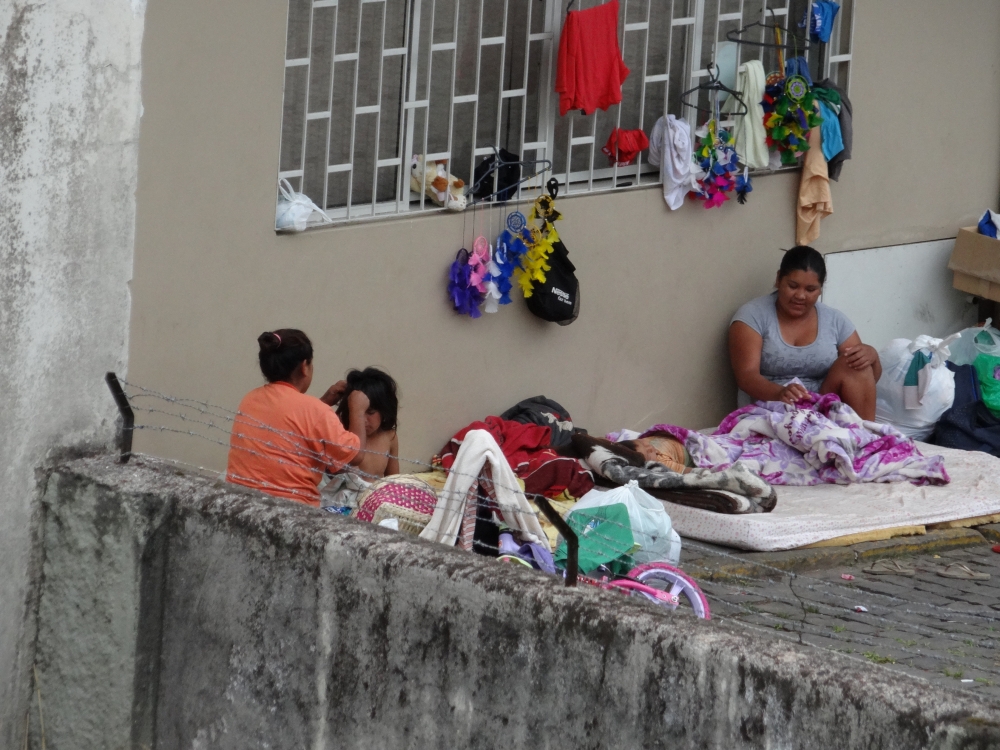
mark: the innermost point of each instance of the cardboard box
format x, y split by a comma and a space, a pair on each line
976, 263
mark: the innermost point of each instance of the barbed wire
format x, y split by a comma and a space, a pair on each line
715, 589
786, 624
530, 496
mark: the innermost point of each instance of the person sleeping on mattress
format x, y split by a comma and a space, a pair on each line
790, 334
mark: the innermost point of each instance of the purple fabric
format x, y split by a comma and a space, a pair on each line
819, 441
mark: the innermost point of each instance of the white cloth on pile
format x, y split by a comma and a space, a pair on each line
670, 150
480, 455
749, 132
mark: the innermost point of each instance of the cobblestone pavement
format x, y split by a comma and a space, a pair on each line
942, 629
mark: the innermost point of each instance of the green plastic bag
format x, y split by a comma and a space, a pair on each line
605, 535
988, 372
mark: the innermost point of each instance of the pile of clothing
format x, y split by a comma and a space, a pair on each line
823, 441
528, 449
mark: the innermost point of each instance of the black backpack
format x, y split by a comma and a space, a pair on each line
557, 300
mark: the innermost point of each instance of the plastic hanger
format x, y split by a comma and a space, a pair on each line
538, 166
795, 45
714, 84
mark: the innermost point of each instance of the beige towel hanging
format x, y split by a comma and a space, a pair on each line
815, 201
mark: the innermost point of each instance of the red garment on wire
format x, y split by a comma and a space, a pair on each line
526, 448
624, 145
591, 70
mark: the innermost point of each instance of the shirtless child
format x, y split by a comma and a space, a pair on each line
381, 447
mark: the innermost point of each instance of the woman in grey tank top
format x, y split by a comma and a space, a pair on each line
791, 334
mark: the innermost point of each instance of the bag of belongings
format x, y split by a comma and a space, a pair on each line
621, 528
915, 388
557, 299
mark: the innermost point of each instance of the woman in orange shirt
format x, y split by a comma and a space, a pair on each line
283, 441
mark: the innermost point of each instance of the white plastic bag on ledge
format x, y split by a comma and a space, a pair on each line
913, 406
295, 209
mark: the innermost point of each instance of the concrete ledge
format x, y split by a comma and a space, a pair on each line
990, 531
721, 563
275, 625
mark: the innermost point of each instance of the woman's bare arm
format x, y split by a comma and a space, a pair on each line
860, 356
745, 346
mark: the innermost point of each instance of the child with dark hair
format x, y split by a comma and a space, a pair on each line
283, 441
382, 446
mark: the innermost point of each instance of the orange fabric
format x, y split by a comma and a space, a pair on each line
815, 201
283, 441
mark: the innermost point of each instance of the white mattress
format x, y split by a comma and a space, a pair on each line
806, 515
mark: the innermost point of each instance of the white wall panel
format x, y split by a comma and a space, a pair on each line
898, 292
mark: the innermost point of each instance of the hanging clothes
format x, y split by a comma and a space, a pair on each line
821, 23
591, 70
749, 131
624, 145
833, 144
815, 201
480, 466
670, 150
846, 128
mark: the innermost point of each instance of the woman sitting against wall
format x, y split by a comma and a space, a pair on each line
790, 334
283, 440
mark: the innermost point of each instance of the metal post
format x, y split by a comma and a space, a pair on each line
572, 541
128, 417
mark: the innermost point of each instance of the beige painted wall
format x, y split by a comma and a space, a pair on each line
658, 288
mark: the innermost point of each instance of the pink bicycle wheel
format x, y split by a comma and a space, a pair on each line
657, 596
679, 582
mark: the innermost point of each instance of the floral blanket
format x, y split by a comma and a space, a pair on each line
822, 441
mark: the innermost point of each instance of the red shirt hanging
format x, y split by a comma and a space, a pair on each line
591, 70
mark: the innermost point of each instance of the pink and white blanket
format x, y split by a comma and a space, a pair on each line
819, 441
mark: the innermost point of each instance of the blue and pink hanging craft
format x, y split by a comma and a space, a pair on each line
484, 276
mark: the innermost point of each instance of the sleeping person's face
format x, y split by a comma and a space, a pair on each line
798, 292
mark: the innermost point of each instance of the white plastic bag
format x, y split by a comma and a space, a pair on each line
295, 209
938, 391
651, 526
969, 346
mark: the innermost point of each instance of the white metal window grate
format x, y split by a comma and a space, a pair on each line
369, 83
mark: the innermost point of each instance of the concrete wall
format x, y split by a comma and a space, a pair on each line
179, 612
69, 122
658, 288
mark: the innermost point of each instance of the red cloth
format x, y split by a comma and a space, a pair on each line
526, 448
591, 70
624, 145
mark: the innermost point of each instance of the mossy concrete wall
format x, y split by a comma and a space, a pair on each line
179, 612
69, 129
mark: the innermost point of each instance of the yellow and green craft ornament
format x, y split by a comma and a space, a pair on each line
535, 263
789, 114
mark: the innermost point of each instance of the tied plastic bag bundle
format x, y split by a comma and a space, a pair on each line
972, 342
915, 388
295, 209
621, 528
980, 347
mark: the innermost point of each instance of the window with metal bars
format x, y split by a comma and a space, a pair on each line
371, 83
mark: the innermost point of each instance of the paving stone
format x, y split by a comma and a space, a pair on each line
927, 624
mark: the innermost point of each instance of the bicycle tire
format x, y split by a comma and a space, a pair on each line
680, 583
